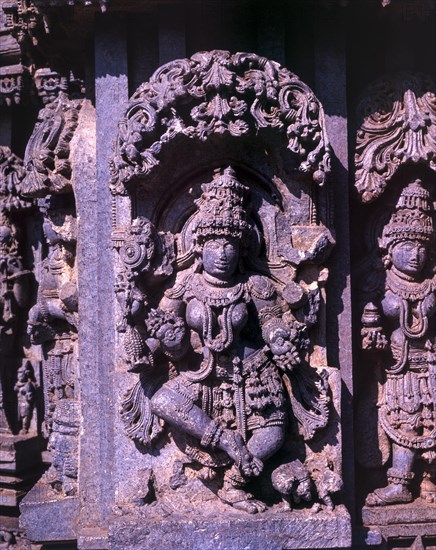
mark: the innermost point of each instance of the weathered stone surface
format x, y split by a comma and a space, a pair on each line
45, 517
299, 530
181, 261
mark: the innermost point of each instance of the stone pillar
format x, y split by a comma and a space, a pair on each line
96, 331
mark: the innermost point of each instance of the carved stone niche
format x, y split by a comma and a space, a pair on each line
20, 446
395, 380
228, 408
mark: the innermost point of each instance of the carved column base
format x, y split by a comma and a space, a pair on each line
45, 517
11, 535
272, 530
417, 519
20, 466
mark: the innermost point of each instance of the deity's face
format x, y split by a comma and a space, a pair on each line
220, 257
5, 235
304, 490
409, 257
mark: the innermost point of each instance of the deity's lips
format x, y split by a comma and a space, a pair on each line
221, 265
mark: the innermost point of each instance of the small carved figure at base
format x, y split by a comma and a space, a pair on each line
326, 480
25, 388
292, 481
428, 486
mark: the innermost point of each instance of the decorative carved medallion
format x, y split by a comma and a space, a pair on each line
216, 93
398, 117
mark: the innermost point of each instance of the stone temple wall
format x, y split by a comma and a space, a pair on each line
217, 289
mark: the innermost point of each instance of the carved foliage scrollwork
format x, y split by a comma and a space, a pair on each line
219, 93
398, 126
11, 175
48, 168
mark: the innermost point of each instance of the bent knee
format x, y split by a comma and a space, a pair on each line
266, 441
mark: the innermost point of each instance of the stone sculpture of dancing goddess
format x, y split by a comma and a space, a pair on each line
407, 405
226, 338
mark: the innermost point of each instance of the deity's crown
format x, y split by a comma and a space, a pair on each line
221, 207
411, 219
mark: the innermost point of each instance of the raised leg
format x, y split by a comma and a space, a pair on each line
178, 410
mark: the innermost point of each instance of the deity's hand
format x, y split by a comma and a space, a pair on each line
280, 340
373, 339
171, 331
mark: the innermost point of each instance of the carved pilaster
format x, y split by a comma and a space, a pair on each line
52, 321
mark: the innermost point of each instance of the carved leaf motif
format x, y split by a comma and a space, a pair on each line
398, 127
139, 421
46, 159
219, 93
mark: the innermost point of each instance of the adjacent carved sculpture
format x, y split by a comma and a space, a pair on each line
397, 421
52, 321
401, 327
25, 388
398, 116
64, 446
14, 283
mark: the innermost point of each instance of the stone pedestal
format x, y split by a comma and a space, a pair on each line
20, 467
273, 530
19, 458
417, 519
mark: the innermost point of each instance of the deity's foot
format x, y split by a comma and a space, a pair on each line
394, 493
241, 500
428, 496
428, 488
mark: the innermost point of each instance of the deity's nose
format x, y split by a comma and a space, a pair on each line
414, 253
